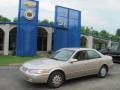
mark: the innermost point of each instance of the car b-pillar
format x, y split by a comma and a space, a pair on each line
26, 43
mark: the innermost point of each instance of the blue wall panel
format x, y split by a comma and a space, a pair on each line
67, 28
27, 28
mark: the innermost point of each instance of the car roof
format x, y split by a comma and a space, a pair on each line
82, 49
76, 49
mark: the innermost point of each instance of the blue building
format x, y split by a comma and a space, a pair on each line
44, 39
8, 33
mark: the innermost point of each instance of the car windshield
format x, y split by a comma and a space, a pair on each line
62, 55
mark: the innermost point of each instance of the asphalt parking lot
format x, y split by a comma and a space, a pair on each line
11, 79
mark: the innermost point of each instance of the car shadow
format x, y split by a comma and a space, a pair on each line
37, 86
70, 82
80, 79
34, 86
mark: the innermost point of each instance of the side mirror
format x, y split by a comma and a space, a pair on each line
73, 60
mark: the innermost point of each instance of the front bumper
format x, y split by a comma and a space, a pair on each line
35, 78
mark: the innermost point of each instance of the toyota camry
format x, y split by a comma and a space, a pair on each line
66, 63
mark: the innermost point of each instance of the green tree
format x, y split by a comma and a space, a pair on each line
118, 32
87, 31
15, 19
4, 19
115, 38
51, 23
104, 35
95, 33
44, 22
83, 29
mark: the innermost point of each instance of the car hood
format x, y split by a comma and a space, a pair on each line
43, 63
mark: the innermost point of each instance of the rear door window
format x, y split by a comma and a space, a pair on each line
92, 54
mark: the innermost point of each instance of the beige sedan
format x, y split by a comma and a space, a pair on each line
66, 63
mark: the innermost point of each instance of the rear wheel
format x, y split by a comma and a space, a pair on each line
56, 79
103, 72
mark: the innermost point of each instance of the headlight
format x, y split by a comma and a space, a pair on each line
42, 71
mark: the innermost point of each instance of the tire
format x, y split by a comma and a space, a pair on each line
103, 72
56, 79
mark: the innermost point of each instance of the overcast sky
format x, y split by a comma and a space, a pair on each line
99, 14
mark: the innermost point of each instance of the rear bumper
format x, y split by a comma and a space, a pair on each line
116, 58
116, 61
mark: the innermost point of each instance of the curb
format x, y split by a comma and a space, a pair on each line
17, 64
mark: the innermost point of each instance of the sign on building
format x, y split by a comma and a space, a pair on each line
27, 28
67, 28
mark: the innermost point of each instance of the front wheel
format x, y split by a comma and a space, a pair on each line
103, 72
56, 79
